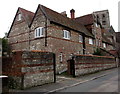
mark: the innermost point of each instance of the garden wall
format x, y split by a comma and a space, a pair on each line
85, 64
30, 68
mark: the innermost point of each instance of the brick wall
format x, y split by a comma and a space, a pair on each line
31, 68
87, 64
57, 44
19, 36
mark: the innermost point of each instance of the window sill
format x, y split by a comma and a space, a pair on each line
91, 44
40, 37
67, 38
80, 41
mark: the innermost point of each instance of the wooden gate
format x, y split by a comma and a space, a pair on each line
71, 67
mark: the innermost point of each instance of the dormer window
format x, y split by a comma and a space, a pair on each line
66, 34
19, 17
39, 32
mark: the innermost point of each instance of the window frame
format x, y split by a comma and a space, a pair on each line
91, 41
96, 25
39, 32
80, 38
104, 45
66, 34
61, 57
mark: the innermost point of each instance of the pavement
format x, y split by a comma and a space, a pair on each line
64, 81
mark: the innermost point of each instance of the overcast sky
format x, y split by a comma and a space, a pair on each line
8, 9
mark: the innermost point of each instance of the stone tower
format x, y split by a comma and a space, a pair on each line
103, 18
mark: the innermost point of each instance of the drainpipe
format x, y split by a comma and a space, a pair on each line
29, 39
45, 24
84, 46
45, 31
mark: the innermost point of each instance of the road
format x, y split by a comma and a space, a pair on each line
108, 83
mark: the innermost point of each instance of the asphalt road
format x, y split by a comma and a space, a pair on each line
108, 83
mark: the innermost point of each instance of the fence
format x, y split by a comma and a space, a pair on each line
30, 68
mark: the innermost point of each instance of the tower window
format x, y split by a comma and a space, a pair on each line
103, 15
104, 22
97, 16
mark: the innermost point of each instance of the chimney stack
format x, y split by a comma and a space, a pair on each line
72, 11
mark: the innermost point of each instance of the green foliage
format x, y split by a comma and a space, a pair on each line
97, 52
12, 84
5, 46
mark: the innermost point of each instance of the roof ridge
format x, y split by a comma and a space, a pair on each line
83, 16
25, 10
54, 11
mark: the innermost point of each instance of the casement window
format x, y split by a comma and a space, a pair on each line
96, 24
90, 41
97, 42
81, 38
66, 34
61, 57
104, 45
39, 32
19, 17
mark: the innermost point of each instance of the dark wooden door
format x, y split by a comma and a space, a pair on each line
71, 67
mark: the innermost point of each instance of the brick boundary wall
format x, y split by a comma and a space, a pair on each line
30, 68
85, 64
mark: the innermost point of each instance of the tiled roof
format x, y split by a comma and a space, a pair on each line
108, 33
27, 14
105, 39
85, 20
65, 21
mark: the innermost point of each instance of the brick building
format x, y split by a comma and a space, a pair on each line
47, 30
100, 27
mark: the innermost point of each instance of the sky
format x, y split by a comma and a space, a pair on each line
8, 9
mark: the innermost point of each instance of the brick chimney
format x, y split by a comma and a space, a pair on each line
72, 11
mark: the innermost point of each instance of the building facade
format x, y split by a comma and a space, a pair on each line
47, 30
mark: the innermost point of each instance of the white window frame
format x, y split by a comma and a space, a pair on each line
91, 41
96, 24
104, 45
66, 34
61, 57
81, 38
39, 32
19, 17
97, 42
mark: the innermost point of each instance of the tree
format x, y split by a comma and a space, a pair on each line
5, 46
97, 52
